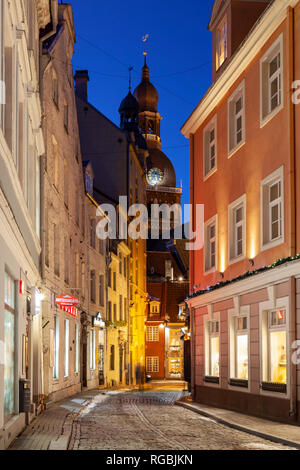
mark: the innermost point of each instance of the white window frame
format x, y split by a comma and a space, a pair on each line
152, 334
56, 348
207, 225
2, 66
93, 349
233, 315
265, 99
67, 347
207, 320
232, 226
233, 145
265, 209
76, 348
282, 303
219, 39
207, 145
152, 364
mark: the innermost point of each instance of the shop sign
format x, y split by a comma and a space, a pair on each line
68, 304
97, 321
67, 300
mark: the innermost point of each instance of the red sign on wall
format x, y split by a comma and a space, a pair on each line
67, 304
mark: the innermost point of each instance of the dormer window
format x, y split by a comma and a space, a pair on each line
154, 308
221, 43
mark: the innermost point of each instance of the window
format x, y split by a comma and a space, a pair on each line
152, 334
101, 290
67, 346
115, 312
93, 349
9, 345
56, 348
109, 277
210, 148
76, 348
213, 348
237, 229
93, 233
274, 344
115, 280
93, 286
121, 307
67, 260
55, 88
152, 364
112, 357
210, 240
221, 43
66, 117
2, 74
66, 184
109, 311
56, 250
271, 67
239, 349
120, 263
154, 308
272, 216
236, 119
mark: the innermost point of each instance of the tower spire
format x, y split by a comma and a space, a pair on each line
145, 39
130, 69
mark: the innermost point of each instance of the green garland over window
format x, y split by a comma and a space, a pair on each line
277, 263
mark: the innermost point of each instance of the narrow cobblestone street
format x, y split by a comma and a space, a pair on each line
150, 421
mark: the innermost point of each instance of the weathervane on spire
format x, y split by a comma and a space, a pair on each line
145, 39
130, 69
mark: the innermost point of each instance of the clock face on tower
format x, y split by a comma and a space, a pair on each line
155, 176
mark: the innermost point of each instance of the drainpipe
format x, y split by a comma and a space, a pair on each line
292, 185
193, 348
192, 200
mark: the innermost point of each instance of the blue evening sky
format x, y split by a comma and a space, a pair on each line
109, 39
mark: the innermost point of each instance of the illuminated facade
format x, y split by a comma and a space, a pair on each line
122, 149
22, 147
243, 148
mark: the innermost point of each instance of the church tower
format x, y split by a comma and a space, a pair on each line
161, 176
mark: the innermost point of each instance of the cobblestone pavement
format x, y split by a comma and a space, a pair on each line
149, 421
50, 430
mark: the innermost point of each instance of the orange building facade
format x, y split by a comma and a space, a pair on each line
244, 146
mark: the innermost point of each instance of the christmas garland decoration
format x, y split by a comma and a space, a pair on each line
277, 263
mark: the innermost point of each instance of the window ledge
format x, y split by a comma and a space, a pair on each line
210, 271
270, 116
274, 387
210, 173
236, 149
269, 245
236, 260
211, 379
238, 383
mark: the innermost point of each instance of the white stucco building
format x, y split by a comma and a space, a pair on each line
21, 148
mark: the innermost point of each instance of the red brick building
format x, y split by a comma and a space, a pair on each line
165, 329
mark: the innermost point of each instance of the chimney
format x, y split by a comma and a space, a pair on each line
81, 84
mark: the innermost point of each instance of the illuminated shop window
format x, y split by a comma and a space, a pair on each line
213, 363
9, 346
275, 347
241, 348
